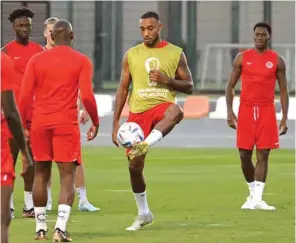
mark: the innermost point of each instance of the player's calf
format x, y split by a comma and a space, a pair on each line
144, 217
67, 193
248, 171
42, 174
136, 167
28, 210
5, 212
260, 173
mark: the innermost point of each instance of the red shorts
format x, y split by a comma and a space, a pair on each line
148, 119
257, 125
60, 144
7, 166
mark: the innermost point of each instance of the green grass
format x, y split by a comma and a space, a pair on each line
195, 195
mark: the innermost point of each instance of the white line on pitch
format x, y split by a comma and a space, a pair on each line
53, 220
271, 194
118, 190
207, 225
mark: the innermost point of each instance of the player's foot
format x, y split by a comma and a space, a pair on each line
61, 236
262, 205
41, 235
247, 204
12, 213
87, 207
49, 206
141, 221
138, 150
28, 213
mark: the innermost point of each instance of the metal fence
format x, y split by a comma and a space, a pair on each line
209, 32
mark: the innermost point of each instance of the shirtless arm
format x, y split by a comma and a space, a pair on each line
233, 79
121, 96
284, 95
183, 83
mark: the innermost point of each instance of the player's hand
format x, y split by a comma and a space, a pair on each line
156, 75
27, 162
114, 134
283, 127
231, 120
27, 134
84, 117
92, 132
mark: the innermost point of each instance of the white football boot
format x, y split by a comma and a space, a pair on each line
261, 205
87, 207
247, 204
141, 221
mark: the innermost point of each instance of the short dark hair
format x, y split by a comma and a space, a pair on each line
20, 12
150, 14
264, 25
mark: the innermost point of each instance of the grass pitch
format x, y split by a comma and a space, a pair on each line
195, 195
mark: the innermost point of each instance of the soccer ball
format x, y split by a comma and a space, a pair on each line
129, 134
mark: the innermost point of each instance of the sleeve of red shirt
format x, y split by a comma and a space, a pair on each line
7, 72
86, 93
25, 101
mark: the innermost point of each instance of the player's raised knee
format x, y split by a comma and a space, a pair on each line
176, 113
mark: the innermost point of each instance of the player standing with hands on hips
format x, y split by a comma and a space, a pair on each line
259, 68
156, 69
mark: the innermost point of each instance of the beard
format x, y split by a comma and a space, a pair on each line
153, 42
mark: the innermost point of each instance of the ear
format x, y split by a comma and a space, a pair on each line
71, 35
160, 26
44, 33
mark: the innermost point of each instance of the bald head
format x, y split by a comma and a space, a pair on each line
62, 32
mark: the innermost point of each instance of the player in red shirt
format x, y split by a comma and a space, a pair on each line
84, 204
259, 68
20, 51
54, 77
12, 118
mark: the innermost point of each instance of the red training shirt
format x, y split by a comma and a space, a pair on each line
54, 78
20, 55
7, 78
258, 77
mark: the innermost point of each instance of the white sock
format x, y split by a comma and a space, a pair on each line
11, 201
81, 193
40, 218
251, 186
153, 137
258, 191
49, 198
28, 196
142, 204
63, 216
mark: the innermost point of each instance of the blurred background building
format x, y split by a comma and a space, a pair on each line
211, 33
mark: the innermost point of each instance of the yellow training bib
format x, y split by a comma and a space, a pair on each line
141, 59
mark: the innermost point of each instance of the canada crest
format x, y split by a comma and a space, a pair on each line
269, 64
